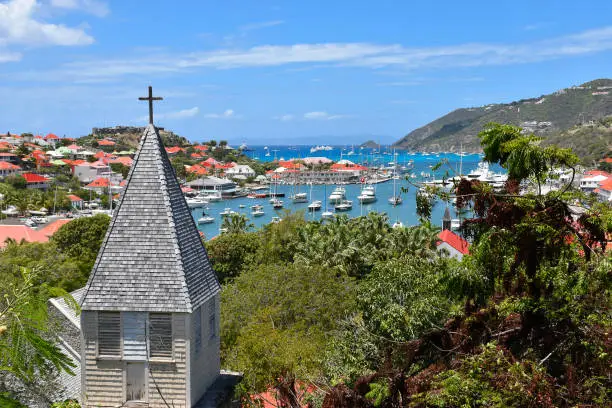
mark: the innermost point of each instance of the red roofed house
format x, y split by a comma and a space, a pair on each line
604, 192
174, 150
76, 201
9, 157
52, 139
24, 233
198, 170
209, 162
36, 181
100, 185
106, 143
8, 169
201, 148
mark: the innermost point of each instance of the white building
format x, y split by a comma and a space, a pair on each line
240, 169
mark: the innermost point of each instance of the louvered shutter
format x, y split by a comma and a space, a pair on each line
197, 329
109, 334
160, 335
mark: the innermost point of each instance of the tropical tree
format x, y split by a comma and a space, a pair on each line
27, 348
236, 224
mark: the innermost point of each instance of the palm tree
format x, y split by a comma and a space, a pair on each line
236, 224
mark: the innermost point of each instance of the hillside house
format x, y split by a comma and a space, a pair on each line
36, 181
148, 332
8, 169
240, 169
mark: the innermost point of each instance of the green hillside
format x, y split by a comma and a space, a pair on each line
550, 115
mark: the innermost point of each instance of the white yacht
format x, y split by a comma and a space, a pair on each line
397, 224
344, 205
276, 220
368, 195
197, 202
206, 219
315, 205
257, 210
277, 204
299, 198
227, 212
211, 196
326, 215
337, 195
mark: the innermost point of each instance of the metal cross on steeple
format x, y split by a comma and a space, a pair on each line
150, 98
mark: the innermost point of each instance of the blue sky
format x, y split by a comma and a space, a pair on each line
289, 72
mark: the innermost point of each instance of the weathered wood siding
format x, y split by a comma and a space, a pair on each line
102, 379
171, 377
206, 364
134, 337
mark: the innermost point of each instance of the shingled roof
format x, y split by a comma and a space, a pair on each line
152, 258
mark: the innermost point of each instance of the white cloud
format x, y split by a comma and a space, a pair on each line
346, 54
18, 26
323, 116
181, 114
95, 7
259, 26
285, 118
227, 114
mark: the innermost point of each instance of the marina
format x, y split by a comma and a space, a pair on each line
394, 196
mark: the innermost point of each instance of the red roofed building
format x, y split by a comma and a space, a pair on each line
9, 157
36, 181
209, 162
453, 243
126, 161
348, 167
8, 169
604, 192
76, 201
20, 233
106, 143
291, 165
174, 150
197, 169
201, 148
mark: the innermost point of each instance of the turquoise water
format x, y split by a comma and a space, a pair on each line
406, 212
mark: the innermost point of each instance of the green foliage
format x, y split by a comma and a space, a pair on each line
276, 318
403, 298
231, 253
27, 349
82, 238
16, 181
121, 169
235, 224
492, 378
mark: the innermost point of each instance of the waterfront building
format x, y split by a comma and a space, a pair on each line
214, 184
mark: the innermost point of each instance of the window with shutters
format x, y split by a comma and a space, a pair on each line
197, 329
212, 319
160, 335
109, 334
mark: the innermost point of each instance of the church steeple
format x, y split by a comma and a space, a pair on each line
152, 258
446, 220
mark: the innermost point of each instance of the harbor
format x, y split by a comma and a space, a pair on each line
379, 190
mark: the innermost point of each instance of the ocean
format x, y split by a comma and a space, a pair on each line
405, 213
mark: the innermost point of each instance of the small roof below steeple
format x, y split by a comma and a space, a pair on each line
152, 258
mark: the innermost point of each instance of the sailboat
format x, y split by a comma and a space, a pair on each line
314, 205
396, 199
326, 214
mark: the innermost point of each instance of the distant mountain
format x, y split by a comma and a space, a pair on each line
548, 116
370, 144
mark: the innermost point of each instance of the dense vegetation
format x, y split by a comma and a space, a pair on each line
354, 313
31, 273
564, 109
362, 315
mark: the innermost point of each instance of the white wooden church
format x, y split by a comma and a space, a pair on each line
148, 331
